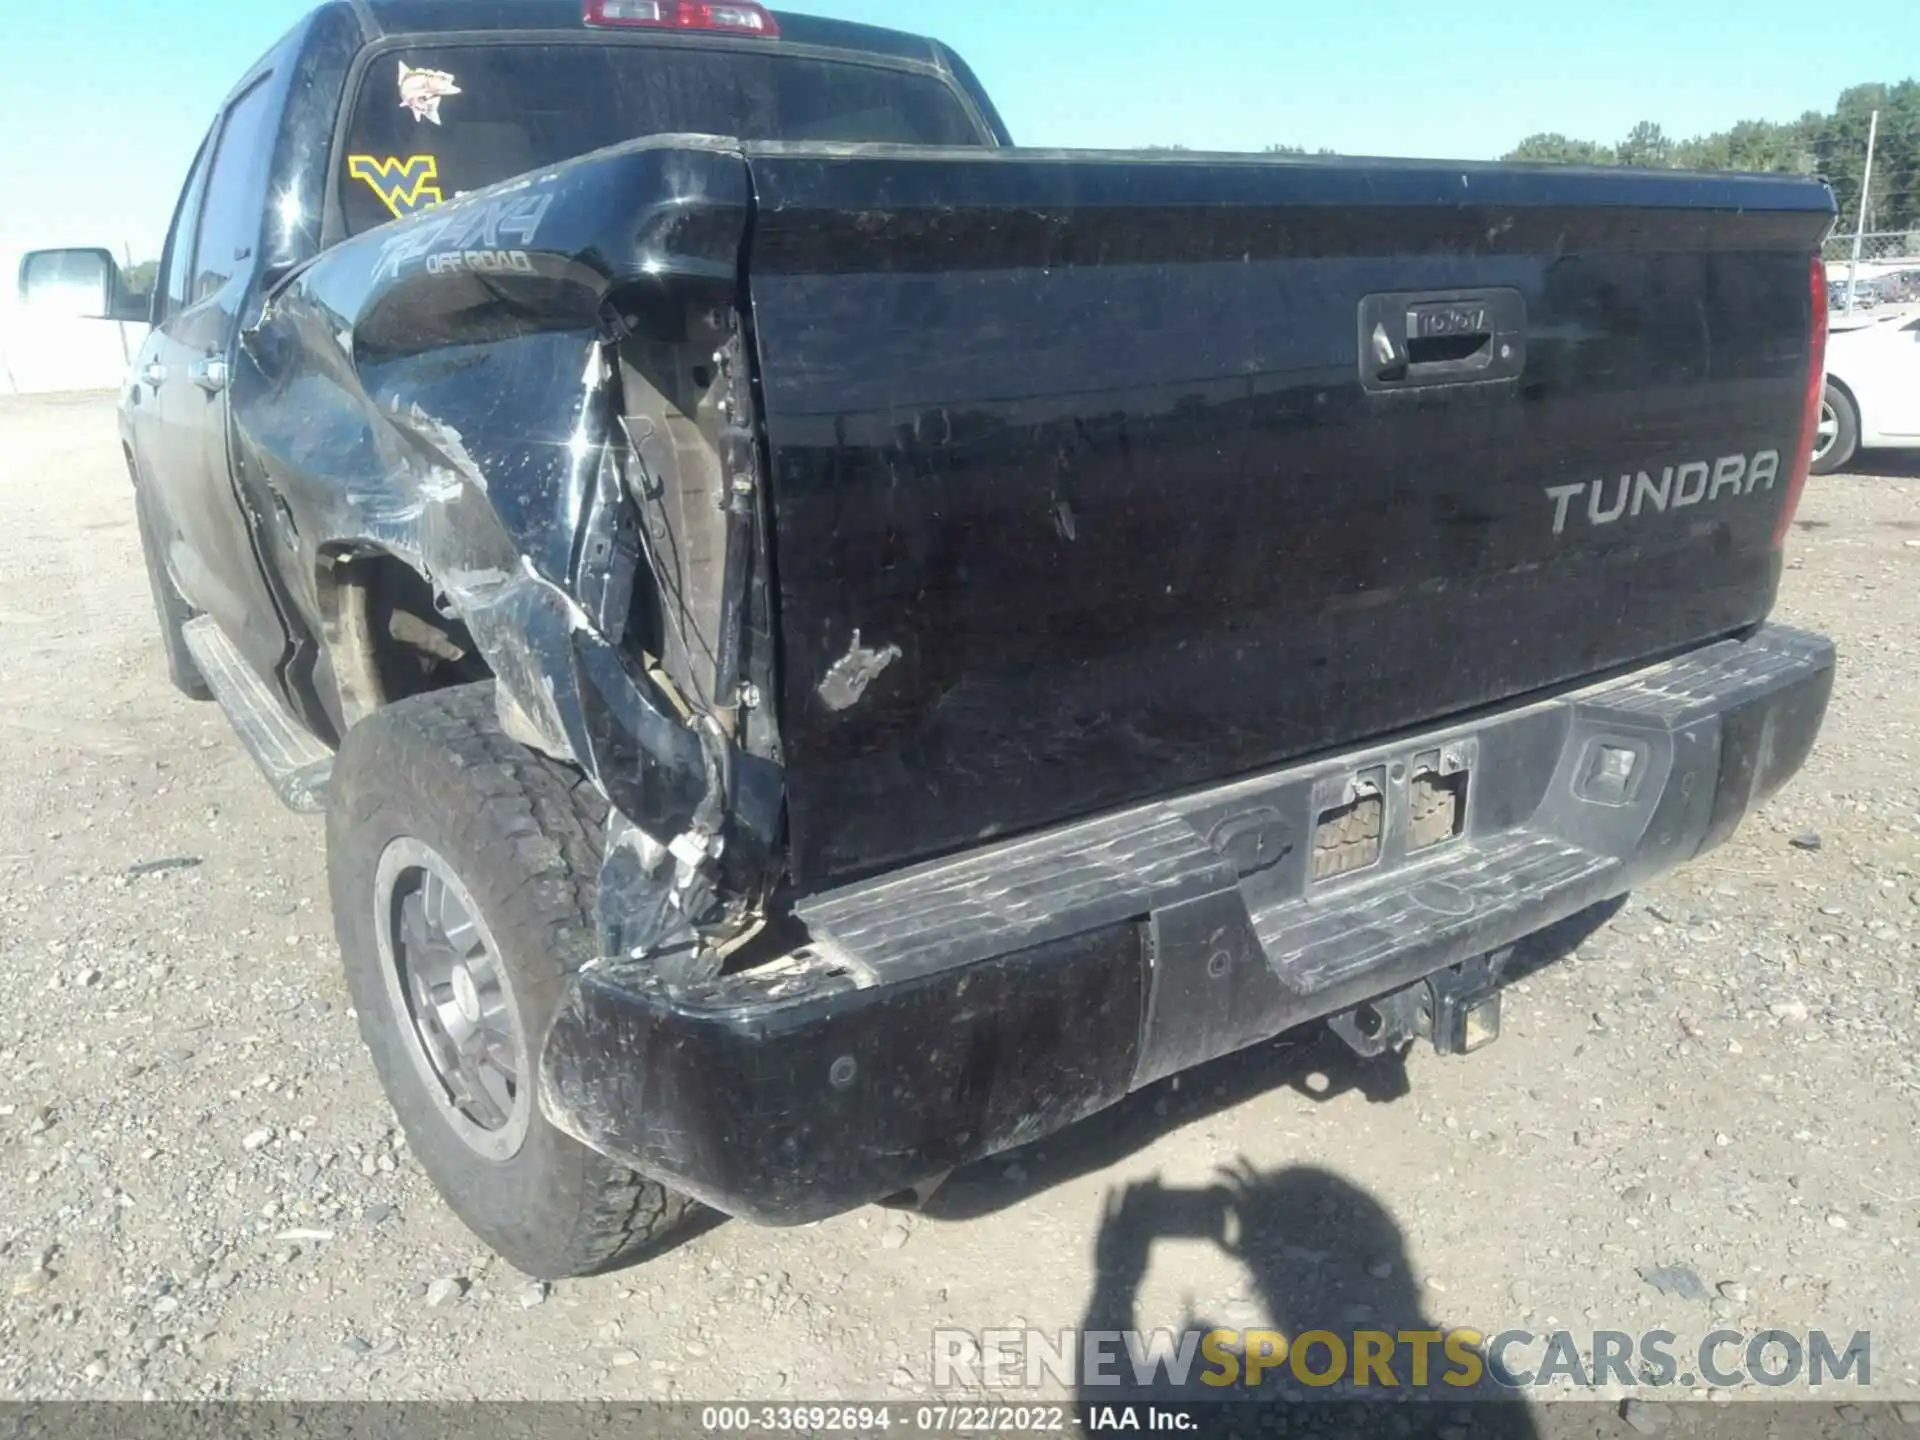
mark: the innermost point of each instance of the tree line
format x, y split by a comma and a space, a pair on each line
1831, 144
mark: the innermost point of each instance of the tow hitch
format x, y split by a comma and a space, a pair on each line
1458, 1009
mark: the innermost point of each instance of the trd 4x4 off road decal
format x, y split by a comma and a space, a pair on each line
403, 185
482, 236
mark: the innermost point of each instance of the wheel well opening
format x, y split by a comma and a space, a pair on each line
391, 634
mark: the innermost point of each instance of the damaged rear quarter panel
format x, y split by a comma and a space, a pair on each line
437, 391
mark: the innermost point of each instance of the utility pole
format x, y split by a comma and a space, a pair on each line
126, 351
1860, 228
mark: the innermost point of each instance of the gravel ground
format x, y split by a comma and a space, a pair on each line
202, 1194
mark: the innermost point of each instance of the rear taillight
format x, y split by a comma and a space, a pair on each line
1810, 408
734, 17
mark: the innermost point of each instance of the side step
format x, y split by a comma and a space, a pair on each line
294, 762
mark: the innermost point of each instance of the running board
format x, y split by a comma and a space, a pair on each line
294, 762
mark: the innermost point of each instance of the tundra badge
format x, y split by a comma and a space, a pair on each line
1677, 487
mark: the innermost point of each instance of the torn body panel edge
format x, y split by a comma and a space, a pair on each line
478, 429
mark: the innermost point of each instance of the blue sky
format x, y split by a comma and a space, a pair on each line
102, 104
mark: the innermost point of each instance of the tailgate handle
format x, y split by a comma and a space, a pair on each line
1457, 337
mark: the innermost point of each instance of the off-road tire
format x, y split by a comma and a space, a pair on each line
1847, 416
523, 834
170, 607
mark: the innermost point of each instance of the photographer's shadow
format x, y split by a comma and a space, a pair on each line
1310, 1060
1321, 1254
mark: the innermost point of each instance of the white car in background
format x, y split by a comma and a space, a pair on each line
1872, 397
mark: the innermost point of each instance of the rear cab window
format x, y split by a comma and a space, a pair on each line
435, 121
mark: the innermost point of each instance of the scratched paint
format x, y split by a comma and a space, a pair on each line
848, 678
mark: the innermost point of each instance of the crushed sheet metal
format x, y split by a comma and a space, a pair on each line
348, 407
853, 672
444, 438
440, 485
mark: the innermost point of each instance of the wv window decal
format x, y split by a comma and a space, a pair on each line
404, 186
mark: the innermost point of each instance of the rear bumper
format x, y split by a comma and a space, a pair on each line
966, 1006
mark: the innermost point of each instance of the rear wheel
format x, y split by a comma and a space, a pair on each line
462, 867
1838, 435
170, 607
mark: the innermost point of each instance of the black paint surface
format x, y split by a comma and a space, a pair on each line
1085, 439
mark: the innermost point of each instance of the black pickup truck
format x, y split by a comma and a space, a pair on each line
830, 645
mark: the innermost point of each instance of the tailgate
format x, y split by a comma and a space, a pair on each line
1096, 478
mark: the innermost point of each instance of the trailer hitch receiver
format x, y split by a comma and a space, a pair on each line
1458, 1009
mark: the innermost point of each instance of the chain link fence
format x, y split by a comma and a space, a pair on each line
1875, 247
1888, 273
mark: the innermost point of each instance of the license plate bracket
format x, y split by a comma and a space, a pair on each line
1373, 820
